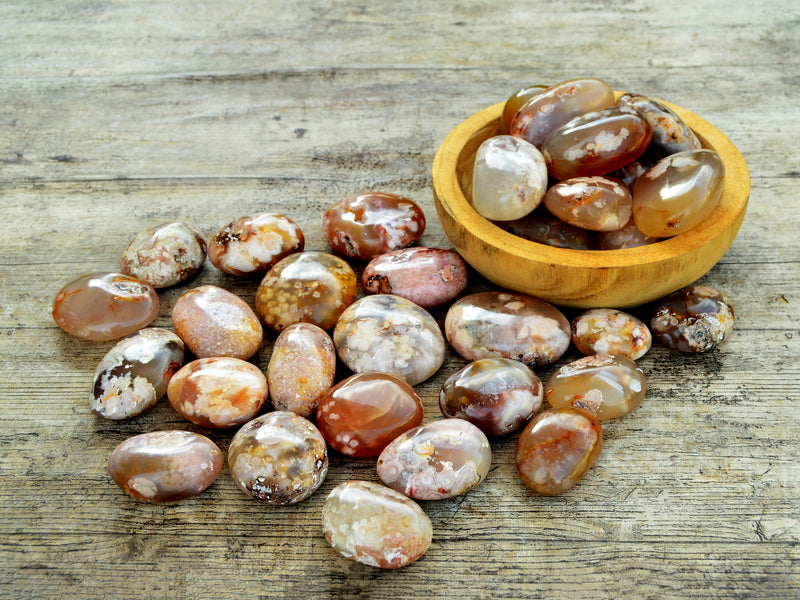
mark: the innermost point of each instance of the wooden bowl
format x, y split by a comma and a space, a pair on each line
583, 278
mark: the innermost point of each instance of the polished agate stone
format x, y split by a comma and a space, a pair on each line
630, 172
605, 385
509, 178
629, 236
678, 192
515, 102
279, 457
548, 111
306, 287
252, 245
214, 322
370, 224
556, 448
546, 229
165, 466
426, 276
610, 331
670, 133
363, 413
104, 306
301, 369
134, 374
374, 525
593, 203
218, 392
495, 394
596, 143
389, 334
502, 324
437, 460
164, 255
694, 319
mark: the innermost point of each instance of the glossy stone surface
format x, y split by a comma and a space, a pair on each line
360, 415
509, 178
306, 287
594, 203
556, 448
596, 143
630, 172
610, 331
218, 392
496, 395
670, 133
374, 525
252, 245
605, 385
134, 374
214, 322
543, 228
678, 192
373, 223
694, 319
426, 276
279, 457
502, 324
515, 102
164, 255
629, 236
301, 369
440, 459
389, 334
165, 466
104, 306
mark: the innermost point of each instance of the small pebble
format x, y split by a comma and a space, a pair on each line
609, 331
164, 255
694, 319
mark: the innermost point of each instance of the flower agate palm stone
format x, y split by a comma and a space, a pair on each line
164, 255
629, 236
670, 133
543, 228
593, 203
516, 101
609, 331
694, 319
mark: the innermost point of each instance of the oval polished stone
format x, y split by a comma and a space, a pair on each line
629, 236
164, 255
306, 287
678, 192
670, 133
373, 223
301, 369
426, 276
606, 386
279, 457
363, 413
543, 228
609, 331
516, 326
556, 448
218, 392
214, 322
694, 319
165, 466
496, 395
252, 245
593, 203
104, 306
437, 460
516, 101
134, 374
596, 143
509, 178
374, 525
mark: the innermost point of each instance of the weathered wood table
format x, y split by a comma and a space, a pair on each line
115, 116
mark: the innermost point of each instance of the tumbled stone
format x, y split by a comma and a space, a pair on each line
426, 276
165, 466
104, 306
605, 385
556, 448
360, 415
694, 319
509, 178
252, 245
214, 322
629, 236
495, 394
134, 374
670, 133
545, 229
164, 255
279, 457
515, 102
389, 334
373, 223
594, 203
306, 287
516, 326
301, 369
375, 525
218, 392
437, 460
630, 172
609, 331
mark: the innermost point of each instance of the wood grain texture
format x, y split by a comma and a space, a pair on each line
117, 115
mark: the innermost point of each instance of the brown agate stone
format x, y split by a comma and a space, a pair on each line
609, 331
694, 319
164, 255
